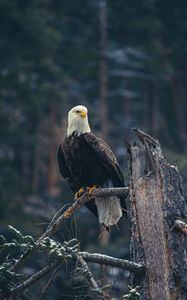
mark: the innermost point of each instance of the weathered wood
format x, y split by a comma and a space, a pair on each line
156, 202
106, 260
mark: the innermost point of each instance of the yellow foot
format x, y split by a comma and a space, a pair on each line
91, 189
79, 193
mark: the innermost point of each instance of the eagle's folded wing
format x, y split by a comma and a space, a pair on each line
106, 156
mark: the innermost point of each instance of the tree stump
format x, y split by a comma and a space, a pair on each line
157, 210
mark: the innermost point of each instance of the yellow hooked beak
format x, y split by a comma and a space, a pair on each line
83, 114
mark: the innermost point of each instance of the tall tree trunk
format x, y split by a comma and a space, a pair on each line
37, 158
103, 68
127, 106
179, 97
156, 202
26, 159
52, 168
179, 100
145, 109
103, 84
155, 110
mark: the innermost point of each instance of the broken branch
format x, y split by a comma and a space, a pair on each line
35, 277
112, 262
89, 276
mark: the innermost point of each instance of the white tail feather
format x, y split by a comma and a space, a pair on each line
109, 210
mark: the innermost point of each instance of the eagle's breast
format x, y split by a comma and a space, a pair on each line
83, 163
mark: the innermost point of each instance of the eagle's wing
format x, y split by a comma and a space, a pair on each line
62, 162
106, 157
63, 167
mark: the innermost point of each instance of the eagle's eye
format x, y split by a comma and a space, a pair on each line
77, 111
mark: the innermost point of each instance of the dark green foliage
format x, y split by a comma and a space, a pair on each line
133, 294
20, 248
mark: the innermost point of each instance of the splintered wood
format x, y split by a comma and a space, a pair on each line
156, 202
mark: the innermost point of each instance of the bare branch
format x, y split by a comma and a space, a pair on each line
49, 282
89, 276
22, 259
119, 191
113, 262
82, 257
35, 277
66, 215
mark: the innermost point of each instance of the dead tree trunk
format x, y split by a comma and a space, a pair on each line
156, 202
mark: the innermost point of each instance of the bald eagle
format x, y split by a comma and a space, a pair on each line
85, 160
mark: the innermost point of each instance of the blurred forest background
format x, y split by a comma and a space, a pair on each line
127, 62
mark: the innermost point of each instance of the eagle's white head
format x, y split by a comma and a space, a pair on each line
78, 120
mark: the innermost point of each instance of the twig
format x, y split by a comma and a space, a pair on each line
22, 259
89, 276
66, 215
181, 226
113, 262
49, 281
55, 217
21, 287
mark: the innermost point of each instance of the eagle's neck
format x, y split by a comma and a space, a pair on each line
78, 126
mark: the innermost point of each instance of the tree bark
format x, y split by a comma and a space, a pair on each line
103, 68
156, 202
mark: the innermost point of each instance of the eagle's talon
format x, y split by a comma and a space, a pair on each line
91, 189
79, 193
